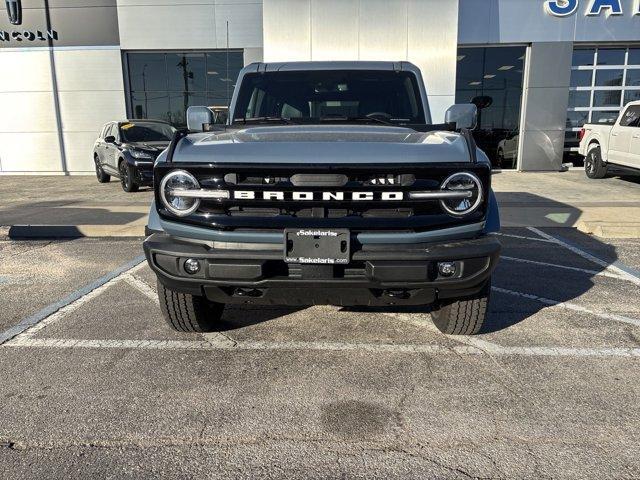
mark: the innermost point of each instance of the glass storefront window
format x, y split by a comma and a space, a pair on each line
497, 73
579, 98
581, 78
583, 57
163, 85
577, 119
611, 56
607, 98
606, 118
612, 82
609, 78
147, 72
186, 71
631, 96
633, 77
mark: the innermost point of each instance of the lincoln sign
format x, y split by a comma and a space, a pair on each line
14, 12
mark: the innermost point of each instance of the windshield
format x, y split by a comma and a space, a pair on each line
146, 132
325, 95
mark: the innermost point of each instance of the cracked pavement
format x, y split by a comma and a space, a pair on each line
103, 388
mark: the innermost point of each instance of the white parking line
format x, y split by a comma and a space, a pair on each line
570, 306
611, 267
482, 347
143, 287
522, 237
52, 312
566, 267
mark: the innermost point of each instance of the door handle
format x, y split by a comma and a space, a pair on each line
615, 134
636, 136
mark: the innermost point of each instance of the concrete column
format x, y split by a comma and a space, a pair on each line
544, 106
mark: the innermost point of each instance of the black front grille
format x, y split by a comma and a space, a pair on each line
369, 214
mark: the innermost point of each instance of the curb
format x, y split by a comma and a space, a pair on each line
610, 229
71, 231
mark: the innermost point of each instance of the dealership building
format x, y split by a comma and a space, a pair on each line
540, 68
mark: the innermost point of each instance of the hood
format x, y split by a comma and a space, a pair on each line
323, 144
149, 146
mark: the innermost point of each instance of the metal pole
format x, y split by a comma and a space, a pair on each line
56, 98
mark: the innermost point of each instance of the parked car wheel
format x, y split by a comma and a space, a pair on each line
463, 316
189, 313
102, 177
128, 177
593, 165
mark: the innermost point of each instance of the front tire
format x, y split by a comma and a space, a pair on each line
464, 316
189, 313
593, 165
128, 177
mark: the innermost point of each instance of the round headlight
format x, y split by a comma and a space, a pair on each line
469, 188
171, 184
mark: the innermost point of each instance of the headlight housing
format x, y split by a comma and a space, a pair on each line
179, 180
141, 154
463, 183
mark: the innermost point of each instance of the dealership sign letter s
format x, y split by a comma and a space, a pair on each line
561, 8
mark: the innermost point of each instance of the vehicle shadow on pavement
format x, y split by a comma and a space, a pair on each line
66, 213
549, 265
536, 272
236, 317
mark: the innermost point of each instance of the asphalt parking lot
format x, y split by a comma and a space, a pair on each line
95, 385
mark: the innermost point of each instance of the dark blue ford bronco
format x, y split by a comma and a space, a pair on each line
328, 184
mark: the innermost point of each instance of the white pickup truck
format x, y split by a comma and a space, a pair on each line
617, 145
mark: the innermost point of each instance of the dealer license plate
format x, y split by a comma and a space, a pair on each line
317, 246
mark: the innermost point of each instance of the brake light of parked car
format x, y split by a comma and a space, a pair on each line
581, 134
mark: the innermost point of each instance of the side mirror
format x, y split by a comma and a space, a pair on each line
110, 139
199, 119
464, 115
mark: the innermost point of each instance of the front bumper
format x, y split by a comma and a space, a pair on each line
389, 274
145, 174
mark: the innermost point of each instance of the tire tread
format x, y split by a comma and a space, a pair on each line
464, 316
188, 313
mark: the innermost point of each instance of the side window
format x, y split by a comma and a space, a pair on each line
111, 130
631, 118
103, 132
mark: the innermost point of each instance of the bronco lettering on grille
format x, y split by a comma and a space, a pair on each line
324, 196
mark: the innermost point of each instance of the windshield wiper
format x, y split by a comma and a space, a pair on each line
339, 118
263, 120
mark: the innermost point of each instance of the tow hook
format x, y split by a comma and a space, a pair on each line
247, 292
398, 294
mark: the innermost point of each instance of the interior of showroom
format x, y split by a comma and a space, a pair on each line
538, 69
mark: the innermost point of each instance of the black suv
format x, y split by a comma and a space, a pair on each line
128, 149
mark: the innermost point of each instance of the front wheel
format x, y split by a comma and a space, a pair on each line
128, 177
102, 177
593, 165
464, 316
189, 313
